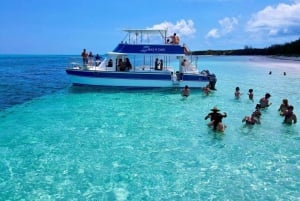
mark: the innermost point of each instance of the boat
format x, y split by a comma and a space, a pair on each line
146, 58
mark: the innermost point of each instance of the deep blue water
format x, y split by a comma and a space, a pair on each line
25, 77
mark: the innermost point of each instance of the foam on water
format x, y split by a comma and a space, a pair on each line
99, 144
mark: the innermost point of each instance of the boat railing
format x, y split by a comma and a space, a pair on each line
146, 68
75, 66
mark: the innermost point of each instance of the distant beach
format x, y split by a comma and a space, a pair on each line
286, 58
278, 62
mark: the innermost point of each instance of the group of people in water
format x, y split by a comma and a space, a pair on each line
285, 110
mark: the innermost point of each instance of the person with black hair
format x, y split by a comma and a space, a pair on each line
289, 116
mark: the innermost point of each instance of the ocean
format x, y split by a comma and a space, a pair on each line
64, 142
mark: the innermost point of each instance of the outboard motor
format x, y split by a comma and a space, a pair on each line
212, 81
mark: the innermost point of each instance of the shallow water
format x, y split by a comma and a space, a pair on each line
77, 143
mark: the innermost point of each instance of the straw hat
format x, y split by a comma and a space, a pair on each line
215, 109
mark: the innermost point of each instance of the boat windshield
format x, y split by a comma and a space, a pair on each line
142, 36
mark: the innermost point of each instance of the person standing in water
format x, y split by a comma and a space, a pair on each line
283, 107
237, 93
290, 116
216, 119
264, 102
250, 94
185, 91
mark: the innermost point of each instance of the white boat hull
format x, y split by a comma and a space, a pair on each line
124, 81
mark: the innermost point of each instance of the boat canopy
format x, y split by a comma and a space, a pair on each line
141, 35
162, 32
145, 41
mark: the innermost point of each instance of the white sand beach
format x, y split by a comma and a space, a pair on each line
290, 64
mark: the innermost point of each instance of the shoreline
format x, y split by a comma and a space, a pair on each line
285, 58
288, 65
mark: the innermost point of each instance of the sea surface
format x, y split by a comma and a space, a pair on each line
61, 142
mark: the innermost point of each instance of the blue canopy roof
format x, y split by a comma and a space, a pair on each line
149, 49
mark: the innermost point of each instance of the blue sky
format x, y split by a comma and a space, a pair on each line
66, 27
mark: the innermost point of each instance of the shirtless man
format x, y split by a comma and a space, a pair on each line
185, 91
290, 116
264, 102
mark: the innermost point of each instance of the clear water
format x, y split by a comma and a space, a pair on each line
59, 142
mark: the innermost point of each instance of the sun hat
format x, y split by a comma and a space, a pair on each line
215, 109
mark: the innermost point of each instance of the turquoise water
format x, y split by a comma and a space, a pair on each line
79, 143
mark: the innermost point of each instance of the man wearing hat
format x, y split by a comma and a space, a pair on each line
215, 117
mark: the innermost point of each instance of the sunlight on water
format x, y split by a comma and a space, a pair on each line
99, 144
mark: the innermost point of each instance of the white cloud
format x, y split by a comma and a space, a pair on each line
181, 28
282, 19
227, 25
214, 33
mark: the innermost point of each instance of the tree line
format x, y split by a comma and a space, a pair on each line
287, 49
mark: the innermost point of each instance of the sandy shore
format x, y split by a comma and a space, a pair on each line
289, 64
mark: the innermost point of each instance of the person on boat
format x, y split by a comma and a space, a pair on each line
264, 102
161, 64
250, 94
175, 39
97, 59
156, 64
215, 117
91, 58
185, 91
121, 65
237, 93
128, 65
84, 56
289, 116
283, 107
110, 63
183, 66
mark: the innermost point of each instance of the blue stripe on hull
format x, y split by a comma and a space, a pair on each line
136, 75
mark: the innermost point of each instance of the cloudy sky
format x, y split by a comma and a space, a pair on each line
68, 26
